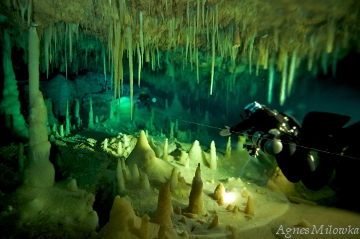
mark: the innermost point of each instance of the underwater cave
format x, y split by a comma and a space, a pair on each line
140, 119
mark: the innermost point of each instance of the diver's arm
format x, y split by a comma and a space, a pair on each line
242, 126
239, 128
225, 132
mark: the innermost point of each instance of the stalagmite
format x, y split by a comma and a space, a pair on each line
184, 159
120, 181
219, 194
126, 173
244, 192
21, 158
213, 157
304, 223
164, 209
195, 152
122, 221
10, 104
177, 210
176, 127
77, 113
214, 222
228, 148
174, 179
72, 185
39, 171
135, 175
249, 209
144, 228
157, 149
119, 148
144, 182
67, 119
235, 209
196, 203
165, 151
91, 115
233, 231
105, 143
171, 135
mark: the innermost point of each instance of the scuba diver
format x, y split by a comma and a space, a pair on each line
307, 152
144, 100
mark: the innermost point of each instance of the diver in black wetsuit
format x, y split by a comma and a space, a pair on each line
144, 100
308, 153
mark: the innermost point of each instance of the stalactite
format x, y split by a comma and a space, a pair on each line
158, 55
330, 35
212, 61
141, 36
284, 76
70, 40
313, 44
236, 35
207, 25
203, 12
251, 47
198, 16
217, 21
115, 51
104, 62
276, 38
197, 65
47, 44
188, 13
22, 7
257, 66
187, 45
334, 61
271, 78
131, 74
324, 62
66, 70
67, 118
139, 62
345, 40
121, 68
292, 72
110, 45
29, 12
152, 59
266, 60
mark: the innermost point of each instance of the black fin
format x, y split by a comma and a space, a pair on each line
323, 123
349, 135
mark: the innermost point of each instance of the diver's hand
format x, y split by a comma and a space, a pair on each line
225, 132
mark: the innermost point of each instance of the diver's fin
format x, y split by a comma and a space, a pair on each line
323, 123
349, 135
